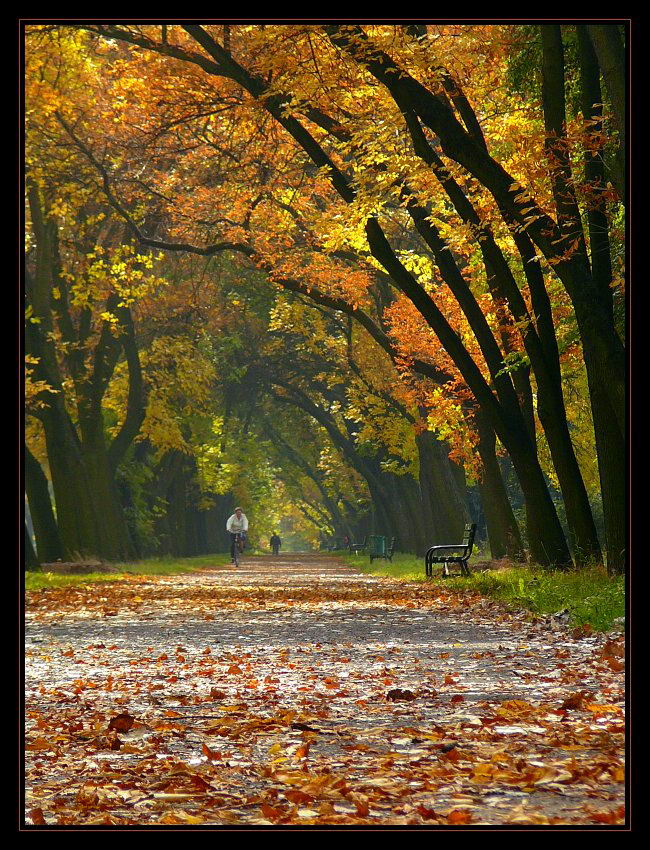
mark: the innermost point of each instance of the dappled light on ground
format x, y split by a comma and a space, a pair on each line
298, 691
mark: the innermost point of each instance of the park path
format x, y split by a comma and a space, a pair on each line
297, 690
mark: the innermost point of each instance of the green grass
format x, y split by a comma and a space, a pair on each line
590, 595
167, 566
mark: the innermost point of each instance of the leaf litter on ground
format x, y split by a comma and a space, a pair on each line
299, 691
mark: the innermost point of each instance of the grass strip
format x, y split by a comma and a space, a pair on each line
166, 566
590, 596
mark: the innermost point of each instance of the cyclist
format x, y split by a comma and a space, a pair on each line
237, 524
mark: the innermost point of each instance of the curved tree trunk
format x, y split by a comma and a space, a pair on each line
46, 532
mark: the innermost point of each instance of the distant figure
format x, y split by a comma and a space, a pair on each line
275, 544
346, 542
237, 524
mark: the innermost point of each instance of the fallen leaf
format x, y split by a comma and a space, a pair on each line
459, 816
271, 812
215, 693
399, 694
210, 754
121, 722
298, 797
575, 701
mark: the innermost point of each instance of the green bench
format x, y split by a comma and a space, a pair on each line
451, 553
378, 548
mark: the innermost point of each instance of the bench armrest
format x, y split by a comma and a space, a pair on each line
449, 546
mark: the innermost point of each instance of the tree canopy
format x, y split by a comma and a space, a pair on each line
358, 277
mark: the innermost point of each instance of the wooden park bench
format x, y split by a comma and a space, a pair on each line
378, 548
359, 547
451, 553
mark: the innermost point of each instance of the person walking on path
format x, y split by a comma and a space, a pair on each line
275, 544
237, 524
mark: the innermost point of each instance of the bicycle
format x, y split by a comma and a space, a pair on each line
239, 546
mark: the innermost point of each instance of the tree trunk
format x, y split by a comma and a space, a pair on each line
384, 520
76, 517
449, 507
430, 513
610, 50
410, 493
610, 448
503, 531
30, 561
113, 539
46, 532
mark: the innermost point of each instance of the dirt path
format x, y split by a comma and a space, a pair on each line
297, 690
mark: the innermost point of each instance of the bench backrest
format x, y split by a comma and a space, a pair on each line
468, 536
392, 545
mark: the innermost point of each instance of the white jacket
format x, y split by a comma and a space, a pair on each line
234, 525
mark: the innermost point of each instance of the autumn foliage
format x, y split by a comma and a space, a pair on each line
391, 257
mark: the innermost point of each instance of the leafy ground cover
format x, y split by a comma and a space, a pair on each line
297, 691
588, 597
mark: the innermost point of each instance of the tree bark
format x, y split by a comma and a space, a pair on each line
448, 507
46, 532
30, 561
610, 50
503, 532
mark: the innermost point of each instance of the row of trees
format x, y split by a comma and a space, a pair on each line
424, 225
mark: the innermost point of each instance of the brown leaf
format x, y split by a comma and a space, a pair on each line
38, 817
199, 782
399, 694
121, 722
271, 812
211, 754
615, 816
575, 701
303, 750
459, 816
613, 649
215, 693
298, 797
424, 812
